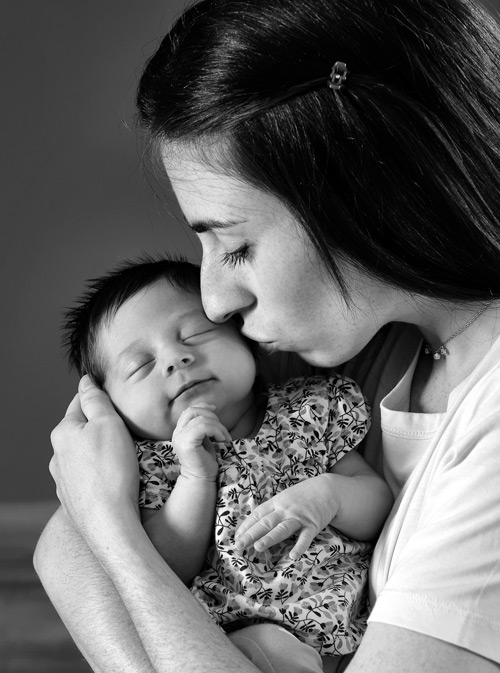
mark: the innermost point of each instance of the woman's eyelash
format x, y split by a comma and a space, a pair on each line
236, 256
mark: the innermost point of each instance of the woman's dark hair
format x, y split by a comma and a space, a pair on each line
397, 172
103, 297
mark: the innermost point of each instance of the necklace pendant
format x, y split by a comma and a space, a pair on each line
441, 351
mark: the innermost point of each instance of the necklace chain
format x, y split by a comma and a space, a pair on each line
442, 351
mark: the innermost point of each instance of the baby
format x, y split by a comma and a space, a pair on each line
254, 495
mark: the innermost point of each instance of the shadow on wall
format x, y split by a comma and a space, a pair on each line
76, 201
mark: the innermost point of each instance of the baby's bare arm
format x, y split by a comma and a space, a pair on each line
352, 497
182, 529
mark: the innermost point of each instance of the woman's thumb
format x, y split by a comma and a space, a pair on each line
94, 401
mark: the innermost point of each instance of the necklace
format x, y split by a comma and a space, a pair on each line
442, 351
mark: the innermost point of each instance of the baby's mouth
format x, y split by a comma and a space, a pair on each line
189, 385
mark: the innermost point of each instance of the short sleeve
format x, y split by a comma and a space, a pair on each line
333, 412
158, 470
437, 561
348, 418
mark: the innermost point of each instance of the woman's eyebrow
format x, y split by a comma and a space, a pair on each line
200, 226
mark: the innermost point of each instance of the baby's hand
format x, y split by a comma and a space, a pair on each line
196, 427
307, 507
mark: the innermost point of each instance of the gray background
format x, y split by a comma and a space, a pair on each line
74, 198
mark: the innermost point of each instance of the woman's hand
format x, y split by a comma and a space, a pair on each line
305, 508
94, 463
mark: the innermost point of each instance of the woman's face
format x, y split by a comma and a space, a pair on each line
258, 262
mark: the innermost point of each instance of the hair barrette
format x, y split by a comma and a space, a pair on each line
338, 76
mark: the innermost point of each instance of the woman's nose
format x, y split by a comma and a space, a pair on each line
176, 362
221, 297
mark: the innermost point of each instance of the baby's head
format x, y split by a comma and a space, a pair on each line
141, 334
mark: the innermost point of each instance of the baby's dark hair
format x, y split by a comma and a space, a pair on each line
103, 297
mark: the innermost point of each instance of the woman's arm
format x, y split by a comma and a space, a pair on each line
95, 615
391, 649
87, 601
96, 472
174, 629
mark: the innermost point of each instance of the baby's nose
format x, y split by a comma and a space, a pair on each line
179, 363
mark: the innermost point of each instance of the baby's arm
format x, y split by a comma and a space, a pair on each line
181, 530
351, 497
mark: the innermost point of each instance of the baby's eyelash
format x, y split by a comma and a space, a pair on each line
236, 256
141, 366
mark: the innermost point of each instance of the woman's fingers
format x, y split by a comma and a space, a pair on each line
90, 403
94, 402
74, 411
94, 460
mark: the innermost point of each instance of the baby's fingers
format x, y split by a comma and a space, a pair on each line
254, 519
303, 543
203, 421
267, 532
202, 410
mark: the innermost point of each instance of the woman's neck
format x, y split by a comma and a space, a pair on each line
435, 378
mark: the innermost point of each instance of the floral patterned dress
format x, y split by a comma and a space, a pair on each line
310, 423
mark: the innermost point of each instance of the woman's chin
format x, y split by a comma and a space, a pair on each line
320, 359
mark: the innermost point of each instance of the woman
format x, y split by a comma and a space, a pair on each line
339, 162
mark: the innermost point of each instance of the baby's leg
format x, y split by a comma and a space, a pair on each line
274, 650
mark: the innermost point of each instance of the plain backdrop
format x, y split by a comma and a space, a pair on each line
75, 200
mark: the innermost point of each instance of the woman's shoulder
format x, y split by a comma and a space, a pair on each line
477, 398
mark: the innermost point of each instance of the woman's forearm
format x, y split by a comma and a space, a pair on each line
182, 529
175, 631
87, 601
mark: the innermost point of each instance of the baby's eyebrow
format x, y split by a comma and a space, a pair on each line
201, 226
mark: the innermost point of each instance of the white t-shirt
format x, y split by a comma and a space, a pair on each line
436, 566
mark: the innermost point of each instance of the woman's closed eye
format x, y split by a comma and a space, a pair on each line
236, 257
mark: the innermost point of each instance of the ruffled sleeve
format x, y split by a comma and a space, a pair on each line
348, 417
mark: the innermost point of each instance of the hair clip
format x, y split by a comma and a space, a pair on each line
338, 76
